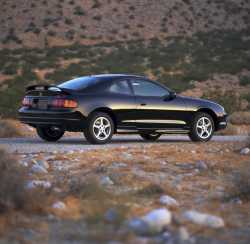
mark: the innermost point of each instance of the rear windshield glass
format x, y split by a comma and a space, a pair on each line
79, 84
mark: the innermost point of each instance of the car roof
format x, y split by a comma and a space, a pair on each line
116, 76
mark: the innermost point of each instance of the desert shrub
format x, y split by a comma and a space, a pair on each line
230, 130
14, 194
68, 21
150, 190
245, 80
8, 128
79, 11
228, 100
240, 187
240, 118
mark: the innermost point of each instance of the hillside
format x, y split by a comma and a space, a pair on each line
201, 47
32, 23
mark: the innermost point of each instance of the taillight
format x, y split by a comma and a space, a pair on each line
64, 103
27, 101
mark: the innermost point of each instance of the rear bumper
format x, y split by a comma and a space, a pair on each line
69, 120
222, 122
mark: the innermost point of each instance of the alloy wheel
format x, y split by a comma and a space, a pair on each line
102, 128
204, 127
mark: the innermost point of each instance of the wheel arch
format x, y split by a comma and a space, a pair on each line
107, 111
212, 114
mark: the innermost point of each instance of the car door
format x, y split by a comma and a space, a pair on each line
123, 104
155, 107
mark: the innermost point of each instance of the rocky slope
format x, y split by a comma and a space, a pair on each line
32, 23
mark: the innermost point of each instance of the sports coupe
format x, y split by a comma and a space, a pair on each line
103, 105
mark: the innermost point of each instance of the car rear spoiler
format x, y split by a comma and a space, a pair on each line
46, 88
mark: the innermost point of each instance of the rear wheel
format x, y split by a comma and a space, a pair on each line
202, 128
50, 133
100, 128
150, 136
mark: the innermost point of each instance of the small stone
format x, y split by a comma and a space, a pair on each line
111, 215
43, 163
38, 169
23, 163
117, 165
105, 180
71, 152
59, 205
169, 201
183, 234
245, 151
204, 219
201, 165
38, 183
152, 223
157, 219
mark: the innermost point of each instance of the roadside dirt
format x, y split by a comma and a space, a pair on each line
99, 191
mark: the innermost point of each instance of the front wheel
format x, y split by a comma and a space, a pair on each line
202, 128
100, 128
50, 133
150, 136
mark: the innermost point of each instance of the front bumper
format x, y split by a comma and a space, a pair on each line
69, 120
222, 122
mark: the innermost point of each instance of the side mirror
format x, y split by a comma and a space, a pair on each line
170, 96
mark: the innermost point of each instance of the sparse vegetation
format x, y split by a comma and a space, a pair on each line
8, 128
176, 62
245, 80
240, 118
14, 194
240, 186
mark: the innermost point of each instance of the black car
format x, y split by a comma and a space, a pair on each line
103, 105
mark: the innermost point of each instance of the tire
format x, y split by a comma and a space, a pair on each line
49, 133
150, 136
100, 128
202, 131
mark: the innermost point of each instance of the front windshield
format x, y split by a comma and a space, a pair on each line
79, 84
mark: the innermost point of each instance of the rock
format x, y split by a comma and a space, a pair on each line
152, 223
59, 205
167, 200
183, 234
158, 219
201, 165
204, 219
139, 226
23, 163
111, 215
117, 165
38, 183
71, 152
38, 169
105, 180
245, 151
42, 163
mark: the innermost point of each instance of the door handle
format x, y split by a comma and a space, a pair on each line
143, 104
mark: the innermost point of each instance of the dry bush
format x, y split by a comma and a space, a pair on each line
240, 118
8, 128
230, 130
13, 192
240, 183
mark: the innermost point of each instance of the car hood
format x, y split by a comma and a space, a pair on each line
198, 102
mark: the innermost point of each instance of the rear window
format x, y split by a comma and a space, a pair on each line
79, 84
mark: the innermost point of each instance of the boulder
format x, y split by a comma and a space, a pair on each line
204, 219
168, 201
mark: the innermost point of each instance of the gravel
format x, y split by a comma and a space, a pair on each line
35, 145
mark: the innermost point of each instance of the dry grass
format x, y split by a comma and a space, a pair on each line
240, 186
230, 130
9, 128
14, 195
240, 118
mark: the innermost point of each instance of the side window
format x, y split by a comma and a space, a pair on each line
120, 87
147, 88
